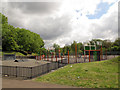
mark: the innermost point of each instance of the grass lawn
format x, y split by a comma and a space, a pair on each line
11, 52
0, 53
17, 53
100, 74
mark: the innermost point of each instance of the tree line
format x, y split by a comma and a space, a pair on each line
19, 39
107, 45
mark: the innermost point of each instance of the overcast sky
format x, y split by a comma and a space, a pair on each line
65, 21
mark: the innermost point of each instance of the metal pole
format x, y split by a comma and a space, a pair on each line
106, 53
45, 57
56, 58
68, 56
89, 55
37, 57
76, 52
40, 54
61, 59
52, 57
101, 53
59, 53
84, 53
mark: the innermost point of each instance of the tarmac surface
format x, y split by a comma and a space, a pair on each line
12, 83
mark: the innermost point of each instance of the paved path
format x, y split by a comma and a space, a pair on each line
12, 83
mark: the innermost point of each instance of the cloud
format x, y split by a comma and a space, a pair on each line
107, 26
50, 28
58, 22
35, 7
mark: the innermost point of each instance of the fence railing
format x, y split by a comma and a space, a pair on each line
30, 72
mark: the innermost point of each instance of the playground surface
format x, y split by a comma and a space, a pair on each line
12, 83
27, 63
34, 62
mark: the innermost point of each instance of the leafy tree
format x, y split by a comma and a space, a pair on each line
16, 39
73, 46
57, 47
116, 45
106, 43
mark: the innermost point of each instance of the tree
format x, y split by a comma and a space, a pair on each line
116, 45
16, 39
57, 47
80, 48
106, 44
73, 46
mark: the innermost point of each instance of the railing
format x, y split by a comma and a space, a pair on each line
30, 72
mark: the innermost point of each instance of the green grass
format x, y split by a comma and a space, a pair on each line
11, 52
17, 53
0, 53
100, 74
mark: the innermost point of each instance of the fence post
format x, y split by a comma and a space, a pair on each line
16, 71
45, 57
52, 57
89, 55
76, 52
37, 57
68, 56
56, 58
40, 55
61, 60
59, 53
31, 72
101, 53
106, 53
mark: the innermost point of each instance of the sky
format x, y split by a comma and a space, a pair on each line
63, 21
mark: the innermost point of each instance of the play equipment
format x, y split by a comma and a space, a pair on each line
93, 53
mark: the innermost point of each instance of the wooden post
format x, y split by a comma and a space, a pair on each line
89, 55
61, 59
44, 57
52, 57
37, 57
59, 53
40, 54
47, 58
76, 52
56, 58
106, 53
101, 53
48, 54
68, 56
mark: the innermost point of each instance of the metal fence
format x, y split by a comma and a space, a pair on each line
30, 72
